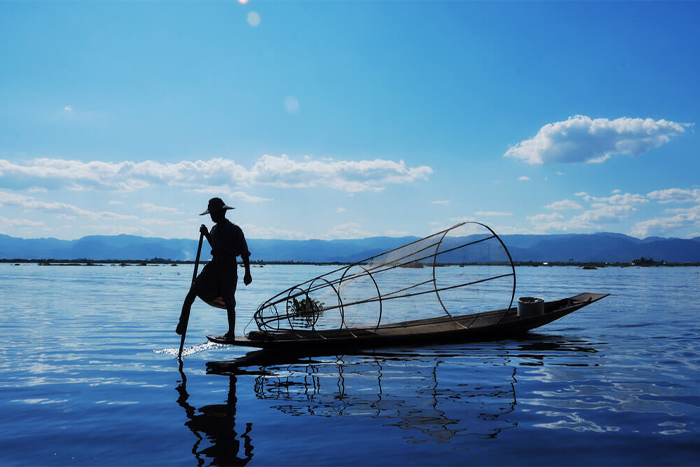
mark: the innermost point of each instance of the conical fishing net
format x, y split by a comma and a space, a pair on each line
463, 270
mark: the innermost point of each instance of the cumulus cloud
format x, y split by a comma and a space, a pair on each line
226, 193
347, 231
564, 205
680, 218
150, 207
256, 231
492, 213
583, 139
349, 176
601, 212
30, 203
243, 196
623, 199
22, 223
442, 202
278, 171
539, 218
524, 178
675, 195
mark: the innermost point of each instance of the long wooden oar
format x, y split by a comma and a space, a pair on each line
194, 277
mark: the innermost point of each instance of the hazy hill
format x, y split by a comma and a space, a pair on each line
539, 248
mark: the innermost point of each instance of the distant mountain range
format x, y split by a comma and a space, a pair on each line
580, 248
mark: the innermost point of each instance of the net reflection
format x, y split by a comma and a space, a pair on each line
433, 397
215, 426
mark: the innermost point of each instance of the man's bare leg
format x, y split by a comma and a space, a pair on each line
231, 315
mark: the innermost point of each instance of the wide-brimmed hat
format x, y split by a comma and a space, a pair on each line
216, 204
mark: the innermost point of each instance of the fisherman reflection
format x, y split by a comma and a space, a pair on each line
217, 423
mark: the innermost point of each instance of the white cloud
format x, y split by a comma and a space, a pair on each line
442, 202
348, 230
339, 210
688, 217
553, 217
625, 199
602, 214
564, 205
30, 203
23, 223
108, 229
524, 178
150, 207
582, 139
397, 233
157, 222
492, 213
255, 231
675, 195
602, 211
242, 196
614, 192
282, 171
68, 109
349, 176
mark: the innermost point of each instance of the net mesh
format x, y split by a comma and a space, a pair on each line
462, 270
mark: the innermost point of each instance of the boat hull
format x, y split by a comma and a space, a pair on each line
490, 325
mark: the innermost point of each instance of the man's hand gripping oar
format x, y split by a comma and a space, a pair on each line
185, 316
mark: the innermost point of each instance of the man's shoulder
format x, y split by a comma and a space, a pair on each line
233, 227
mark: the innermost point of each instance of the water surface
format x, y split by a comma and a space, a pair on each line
88, 377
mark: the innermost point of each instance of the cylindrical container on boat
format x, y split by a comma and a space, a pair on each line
530, 306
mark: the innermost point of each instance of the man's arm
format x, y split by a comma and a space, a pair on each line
247, 278
203, 229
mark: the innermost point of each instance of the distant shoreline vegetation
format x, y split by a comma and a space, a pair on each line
642, 262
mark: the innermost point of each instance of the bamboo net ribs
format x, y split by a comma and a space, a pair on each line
455, 271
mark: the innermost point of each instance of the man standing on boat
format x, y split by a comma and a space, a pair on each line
218, 279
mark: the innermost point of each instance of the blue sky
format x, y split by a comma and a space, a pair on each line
349, 119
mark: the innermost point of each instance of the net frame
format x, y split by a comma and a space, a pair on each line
268, 316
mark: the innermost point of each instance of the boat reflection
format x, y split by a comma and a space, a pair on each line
215, 425
435, 394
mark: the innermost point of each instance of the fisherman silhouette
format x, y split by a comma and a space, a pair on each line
218, 279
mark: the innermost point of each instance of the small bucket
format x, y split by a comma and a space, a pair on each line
530, 306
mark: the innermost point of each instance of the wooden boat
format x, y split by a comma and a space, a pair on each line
365, 304
495, 324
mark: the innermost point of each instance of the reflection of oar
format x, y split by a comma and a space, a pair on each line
186, 316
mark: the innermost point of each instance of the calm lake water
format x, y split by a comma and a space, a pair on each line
88, 376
